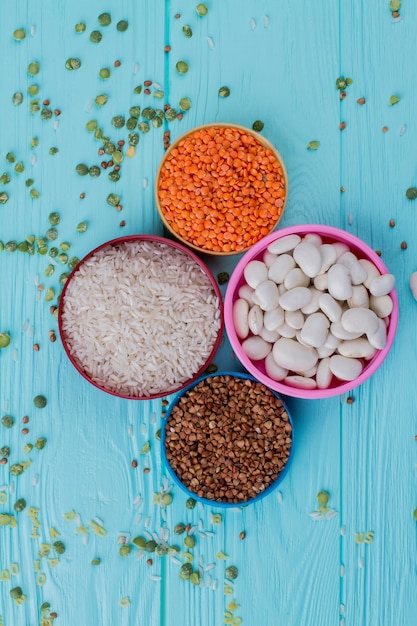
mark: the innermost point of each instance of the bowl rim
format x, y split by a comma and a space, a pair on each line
265, 142
330, 232
156, 239
215, 503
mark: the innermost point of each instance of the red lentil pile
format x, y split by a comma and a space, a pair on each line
221, 190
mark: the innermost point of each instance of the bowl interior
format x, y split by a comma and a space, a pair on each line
262, 140
133, 239
192, 494
329, 234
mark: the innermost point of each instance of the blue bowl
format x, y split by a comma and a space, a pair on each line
223, 503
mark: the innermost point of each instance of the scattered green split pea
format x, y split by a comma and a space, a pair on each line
73, 63
182, 67
201, 9
96, 36
122, 25
33, 68
104, 19
411, 193
394, 100
40, 402
19, 34
313, 145
258, 126
224, 92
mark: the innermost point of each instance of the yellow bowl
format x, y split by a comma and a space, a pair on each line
251, 188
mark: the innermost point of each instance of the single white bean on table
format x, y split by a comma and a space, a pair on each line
313, 311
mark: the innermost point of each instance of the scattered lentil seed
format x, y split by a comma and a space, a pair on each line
122, 25
182, 67
59, 547
25, 419
385, 129
177, 16
96, 36
124, 550
101, 100
117, 63
224, 92
17, 98
16, 593
403, 245
242, 535
342, 95
7, 420
122, 224
231, 572
411, 193
20, 505
149, 562
361, 101
33, 68
185, 104
104, 19
392, 223
52, 337
40, 402
258, 126
201, 9
342, 125
146, 470
73, 63
350, 400
134, 463
82, 169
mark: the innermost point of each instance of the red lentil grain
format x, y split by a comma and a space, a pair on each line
134, 463
146, 470
403, 245
385, 129
147, 91
82, 196
57, 112
117, 63
122, 223
361, 101
25, 431
149, 562
3, 461
342, 125
25, 419
167, 49
45, 103
147, 83
36, 347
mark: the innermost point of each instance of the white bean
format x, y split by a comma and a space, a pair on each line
339, 283
255, 319
301, 382
315, 330
356, 271
381, 305
240, 318
358, 348
296, 298
274, 370
275, 318
359, 297
308, 258
284, 244
268, 258
371, 270
360, 320
267, 295
382, 285
324, 375
255, 273
246, 293
280, 268
413, 284
290, 354
286, 331
313, 305
378, 339
269, 335
295, 319
256, 348
328, 257
330, 307
296, 278
344, 367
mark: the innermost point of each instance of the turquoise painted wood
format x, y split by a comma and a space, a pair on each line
280, 61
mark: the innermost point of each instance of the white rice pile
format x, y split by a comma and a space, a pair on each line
140, 318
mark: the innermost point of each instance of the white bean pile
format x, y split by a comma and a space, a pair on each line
312, 311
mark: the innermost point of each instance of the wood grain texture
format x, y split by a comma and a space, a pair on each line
280, 62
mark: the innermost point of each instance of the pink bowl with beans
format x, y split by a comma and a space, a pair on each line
290, 385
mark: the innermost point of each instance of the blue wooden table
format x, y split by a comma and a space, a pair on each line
356, 566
